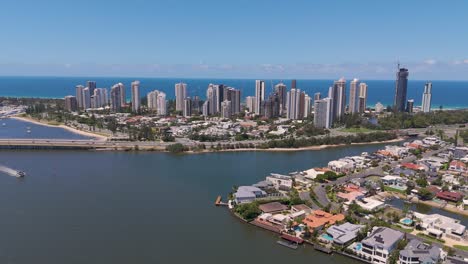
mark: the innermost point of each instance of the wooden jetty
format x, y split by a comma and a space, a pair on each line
219, 201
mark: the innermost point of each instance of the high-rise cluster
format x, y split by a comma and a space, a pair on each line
218, 98
90, 96
157, 102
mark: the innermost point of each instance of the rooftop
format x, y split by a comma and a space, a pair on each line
272, 207
384, 237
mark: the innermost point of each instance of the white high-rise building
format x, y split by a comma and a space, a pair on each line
115, 98
250, 103
293, 104
181, 94
307, 105
136, 103
123, 95
354, 92
152, 98
79, 96
86, 98
162, 104
211, 98
362, 97
323, 116
206, 108
259, 95
427, 98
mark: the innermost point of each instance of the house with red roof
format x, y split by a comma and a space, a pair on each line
450, 196
458, 166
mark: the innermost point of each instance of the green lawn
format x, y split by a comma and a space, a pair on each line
356, 130
430, 238
405, 230
461, 247
390, 189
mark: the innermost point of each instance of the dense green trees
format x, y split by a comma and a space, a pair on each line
248, 211
176, 148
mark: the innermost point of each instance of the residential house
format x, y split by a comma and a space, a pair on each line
380, 243
248, 194
318, 219
438, 225
417, 252
280, 182
344, 233
450, 196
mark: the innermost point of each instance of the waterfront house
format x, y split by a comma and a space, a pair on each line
370, 204
273, 207
393, 180
417, 252
318, 219
314, 172
344, 234
450, 196
341, 166
280, 182
437, 225
248, 194
378, 245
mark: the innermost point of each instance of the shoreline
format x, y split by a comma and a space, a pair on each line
70, 129
319, 147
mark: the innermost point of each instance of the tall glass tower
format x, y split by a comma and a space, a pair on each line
401, 88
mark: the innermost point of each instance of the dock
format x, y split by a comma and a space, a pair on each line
219, 201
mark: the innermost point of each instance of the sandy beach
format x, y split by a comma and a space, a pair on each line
73, 130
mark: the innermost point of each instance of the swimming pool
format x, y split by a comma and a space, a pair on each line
406, 221
327, 237
358, 247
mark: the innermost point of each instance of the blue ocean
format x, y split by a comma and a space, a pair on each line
449, 94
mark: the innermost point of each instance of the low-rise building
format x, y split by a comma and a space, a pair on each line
280, 182
273, 207
344, 234
318, 219
450, 196
341, 166
370, 204
458, 166
437, 225
248, 194
417, 252
379, 244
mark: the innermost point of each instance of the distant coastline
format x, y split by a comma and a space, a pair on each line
73, 130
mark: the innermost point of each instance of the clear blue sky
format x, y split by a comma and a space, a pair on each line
241, 38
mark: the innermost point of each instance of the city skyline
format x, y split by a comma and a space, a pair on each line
145, 46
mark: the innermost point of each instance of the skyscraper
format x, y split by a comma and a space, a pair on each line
281, 90
79, 96
323, 116
206, 108
233, 95
219, 98
354, 92
259, 95
226, 109
401, 87
86, 98
196, 104
71, 104
293, 84
307, 106
187, 107
211, 99
295, 104
271, 106
152, 99
409, 106
338, 95
362, 97
115, 98
123, 94
162, 104
316, 96
91, 85
427, 98
181, 94
136, 96
250, 103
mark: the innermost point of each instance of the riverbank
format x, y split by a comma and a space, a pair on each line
68, 128
448, 207
320, 147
